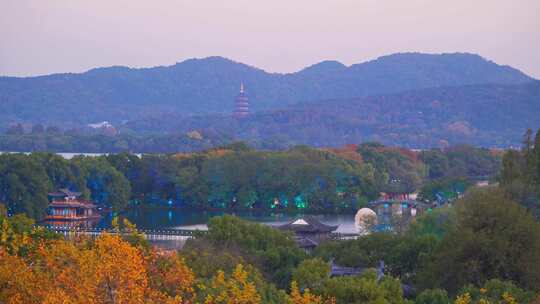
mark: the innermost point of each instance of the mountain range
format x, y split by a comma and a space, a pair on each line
410, 99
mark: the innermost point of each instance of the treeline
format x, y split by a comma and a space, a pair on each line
25, 181
520, 173
238, 177
483, 249
81, 142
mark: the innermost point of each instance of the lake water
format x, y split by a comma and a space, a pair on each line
156, 219
195, 219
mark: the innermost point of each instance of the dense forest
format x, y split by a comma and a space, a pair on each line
209, 85
236, 177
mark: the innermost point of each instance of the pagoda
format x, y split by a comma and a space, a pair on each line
241, 105
308, 232
66, 205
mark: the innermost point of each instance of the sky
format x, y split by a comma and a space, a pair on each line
40, 37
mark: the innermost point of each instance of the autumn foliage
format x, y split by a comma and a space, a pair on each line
111, 269
105, 270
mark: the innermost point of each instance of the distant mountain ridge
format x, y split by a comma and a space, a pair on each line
209, 85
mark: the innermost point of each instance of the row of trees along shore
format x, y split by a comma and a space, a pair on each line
237, 177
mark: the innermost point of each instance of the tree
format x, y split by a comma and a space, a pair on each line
306, 297
537, 160
432, 296
497, 291
235, 289
107, 186
121, 274
170, 278
23, 185
18, 282
492, 237
311, 273
362, 289
527, 142
275, 252
437, 163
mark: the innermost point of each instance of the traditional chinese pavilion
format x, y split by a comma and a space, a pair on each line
309, 232
396, 196
66, 205
241, 105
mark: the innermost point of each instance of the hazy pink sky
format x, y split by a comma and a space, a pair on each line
49, 36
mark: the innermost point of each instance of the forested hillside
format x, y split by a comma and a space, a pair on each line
486, 115
199, 86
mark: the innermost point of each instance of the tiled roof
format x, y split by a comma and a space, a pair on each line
73, 204
65, 192
303, 242
307, 224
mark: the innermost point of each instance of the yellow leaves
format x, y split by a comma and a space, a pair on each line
234, 290
508, 298
121, 272
115, 224
463, 299
306, 298
9, 239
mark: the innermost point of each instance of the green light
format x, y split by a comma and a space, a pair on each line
299, 202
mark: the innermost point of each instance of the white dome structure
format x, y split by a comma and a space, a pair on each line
364, 220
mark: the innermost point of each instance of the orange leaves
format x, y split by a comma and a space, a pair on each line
170, 279
108, 270
121, 272
18, 283
70, 270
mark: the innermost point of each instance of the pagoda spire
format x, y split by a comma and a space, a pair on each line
241, 108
